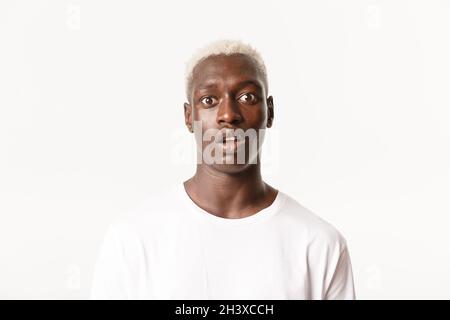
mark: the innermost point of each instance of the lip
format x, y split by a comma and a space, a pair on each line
231, 144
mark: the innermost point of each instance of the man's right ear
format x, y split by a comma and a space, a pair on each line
188, 116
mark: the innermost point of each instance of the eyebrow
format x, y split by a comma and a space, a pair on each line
239, 85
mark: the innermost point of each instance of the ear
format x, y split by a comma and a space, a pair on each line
270, 113
188, 116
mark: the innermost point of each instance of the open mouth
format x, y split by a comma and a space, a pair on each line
229, 139
231, 144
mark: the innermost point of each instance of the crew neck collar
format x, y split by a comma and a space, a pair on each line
201, 213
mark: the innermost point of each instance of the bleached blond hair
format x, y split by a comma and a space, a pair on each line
224, 47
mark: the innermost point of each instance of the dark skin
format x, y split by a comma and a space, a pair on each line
229, 92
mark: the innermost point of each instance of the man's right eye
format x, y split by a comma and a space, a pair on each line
208, 100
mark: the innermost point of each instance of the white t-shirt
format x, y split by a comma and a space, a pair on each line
170, 248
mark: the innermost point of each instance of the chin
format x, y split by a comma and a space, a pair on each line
234, 167
231, 168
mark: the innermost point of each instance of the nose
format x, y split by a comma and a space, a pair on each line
228, 112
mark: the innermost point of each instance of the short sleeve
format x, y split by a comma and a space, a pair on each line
110, 277
341, 286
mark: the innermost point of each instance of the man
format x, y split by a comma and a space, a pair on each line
224, 233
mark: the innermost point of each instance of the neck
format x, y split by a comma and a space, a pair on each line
224, 194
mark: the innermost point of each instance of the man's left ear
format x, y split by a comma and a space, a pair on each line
270, 113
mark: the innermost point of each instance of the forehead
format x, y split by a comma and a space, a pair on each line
231, 68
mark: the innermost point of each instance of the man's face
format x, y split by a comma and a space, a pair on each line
228, 93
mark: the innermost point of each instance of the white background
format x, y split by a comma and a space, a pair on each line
91, 122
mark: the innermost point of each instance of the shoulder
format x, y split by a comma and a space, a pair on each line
318, 231
148, 216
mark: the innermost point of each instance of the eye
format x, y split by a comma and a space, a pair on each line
248, 98
208, 101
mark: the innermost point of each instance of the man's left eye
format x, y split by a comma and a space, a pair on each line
248, 98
